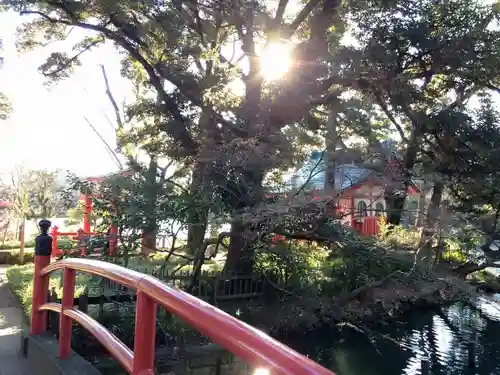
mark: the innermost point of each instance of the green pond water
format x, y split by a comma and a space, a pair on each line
441, 337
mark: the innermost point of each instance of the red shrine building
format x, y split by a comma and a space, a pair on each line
361, 201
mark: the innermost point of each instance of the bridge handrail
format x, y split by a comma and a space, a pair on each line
243, 340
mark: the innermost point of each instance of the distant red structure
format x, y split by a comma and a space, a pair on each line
86, 232
361, 201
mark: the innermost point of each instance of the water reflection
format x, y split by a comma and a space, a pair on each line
439, 337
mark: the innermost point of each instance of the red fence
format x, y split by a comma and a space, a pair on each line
244, 341
371, 226
82, 236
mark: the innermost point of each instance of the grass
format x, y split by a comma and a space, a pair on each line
20, 277
14, 258
157, 260
454, 256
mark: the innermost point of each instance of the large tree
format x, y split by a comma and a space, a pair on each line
408, 58
469, 162
232, 140
415, 63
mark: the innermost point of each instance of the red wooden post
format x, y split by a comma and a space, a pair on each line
353, 213
65, 322
40, 288
54, 233
145, 334
86, 214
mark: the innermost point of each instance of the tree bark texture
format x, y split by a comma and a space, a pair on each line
150, 224
425, 250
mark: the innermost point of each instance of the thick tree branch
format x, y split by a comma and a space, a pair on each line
380, 101
177, 132
303, 14
74, 58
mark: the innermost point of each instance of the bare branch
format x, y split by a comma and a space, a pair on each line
106, 144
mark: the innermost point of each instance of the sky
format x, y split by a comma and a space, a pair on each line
48, 128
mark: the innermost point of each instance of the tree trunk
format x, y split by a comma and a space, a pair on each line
331, 145
420, 222
470, 267
240, 253
199, 192
394, 207
6, 229
21, 240
240, 257
425, 252
396, 193
150, 225
198, 215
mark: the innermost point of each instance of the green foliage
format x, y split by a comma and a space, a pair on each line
401, 238
454, 255
471, 165
294, 264
412, 70
20, 279
15, 259
463, 243
16, 244
34, 194
75, 215
5, 106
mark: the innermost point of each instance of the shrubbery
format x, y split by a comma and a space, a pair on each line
29, 254
296, 264
398, 236
8, 245
15, 259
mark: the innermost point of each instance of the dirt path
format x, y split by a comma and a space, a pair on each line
11, 324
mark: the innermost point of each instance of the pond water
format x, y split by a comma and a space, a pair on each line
440, 337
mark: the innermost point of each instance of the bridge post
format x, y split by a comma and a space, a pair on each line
145, 335
65, 322
54, 233
40, 288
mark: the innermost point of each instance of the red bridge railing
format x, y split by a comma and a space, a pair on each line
244, 341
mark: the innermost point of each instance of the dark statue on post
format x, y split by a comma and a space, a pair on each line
43, 242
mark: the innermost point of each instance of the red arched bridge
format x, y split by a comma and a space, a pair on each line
249, 344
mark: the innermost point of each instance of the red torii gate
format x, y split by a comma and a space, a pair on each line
83, 234
87, 199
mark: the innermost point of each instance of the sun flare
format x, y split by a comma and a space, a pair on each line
275, 60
